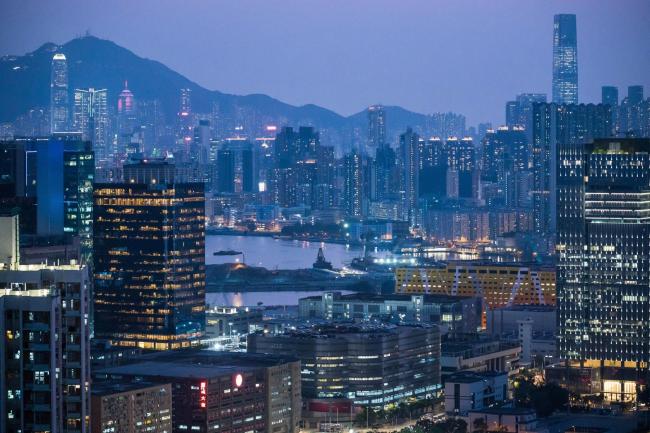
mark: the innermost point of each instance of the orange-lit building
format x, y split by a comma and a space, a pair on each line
499, 285
149, 252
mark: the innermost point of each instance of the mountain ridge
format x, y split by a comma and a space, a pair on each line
101, 63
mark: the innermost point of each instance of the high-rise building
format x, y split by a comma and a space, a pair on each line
353, 199
609, 96
59, 94
126, 121
236, 166
461, 161
555, 125
565, 59
376, 128
603, 270
149, 258
520, 112
45, 354
90, 117
185, 121
410, 173
49, 181
634, 113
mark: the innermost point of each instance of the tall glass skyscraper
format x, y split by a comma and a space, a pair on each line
90, 117
59, 94
149, 259
376, 128
565, 59
603, 282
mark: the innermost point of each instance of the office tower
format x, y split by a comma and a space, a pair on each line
49, 183
555, 125
376, 128
59, 94
461, 160
236, 166
185, 121
603, 270
398, 362
353, 184
152, 120
90, 117
565, 59
78, 178
201, 142
44, 358
149, 258
126, 121
410, 172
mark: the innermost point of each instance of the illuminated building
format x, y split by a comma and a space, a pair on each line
604, 251
353, 184
349, 365
565, 59
461, 159
214, 391
149, 259
499, 285
410, 172
126, 121
49, 181
139, 407
59, 94
44, 357
236, 166
458, 314
376, 128
555, 125
90, 117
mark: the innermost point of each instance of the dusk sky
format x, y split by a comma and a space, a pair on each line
427, 56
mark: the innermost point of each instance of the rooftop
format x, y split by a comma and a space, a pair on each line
108, 388
371, 297
473, 376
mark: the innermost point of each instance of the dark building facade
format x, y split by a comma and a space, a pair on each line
364, 364
227, 392
150, 259
603, 282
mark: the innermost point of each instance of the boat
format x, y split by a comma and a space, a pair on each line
227, 253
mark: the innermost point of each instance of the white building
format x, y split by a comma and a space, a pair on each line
467, 390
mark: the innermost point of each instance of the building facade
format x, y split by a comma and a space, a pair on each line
565, 59
149, 259
603, 271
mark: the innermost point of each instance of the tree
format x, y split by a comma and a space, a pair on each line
479, 426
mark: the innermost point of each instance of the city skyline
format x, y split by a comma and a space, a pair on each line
255, 61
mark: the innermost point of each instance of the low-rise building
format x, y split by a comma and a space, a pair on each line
506, 320
478, 355
507, 420
222, 391
468, 390
456, 314
138, 407
229, 321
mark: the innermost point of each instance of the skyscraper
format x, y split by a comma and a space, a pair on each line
59, 94
90, 117
555, 125
376, 128
410, 172
565, 59
609, 95
149, 257
126, 120
603, 282
353, 183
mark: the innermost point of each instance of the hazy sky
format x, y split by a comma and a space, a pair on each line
427, 55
